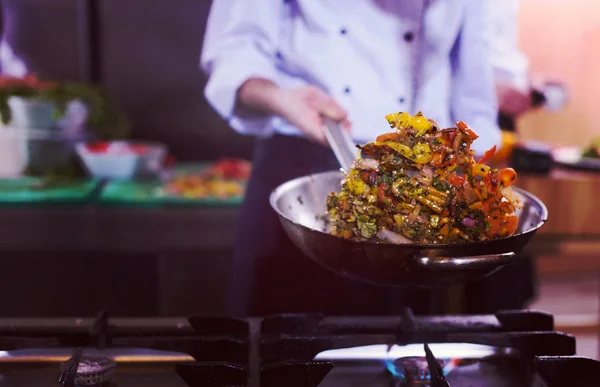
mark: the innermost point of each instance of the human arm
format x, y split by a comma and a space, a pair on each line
240, 43
302, 107
473, 93
239, 54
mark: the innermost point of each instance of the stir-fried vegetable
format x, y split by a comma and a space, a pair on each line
422, 184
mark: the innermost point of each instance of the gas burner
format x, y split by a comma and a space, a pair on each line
86, 370
415, 370
512, 348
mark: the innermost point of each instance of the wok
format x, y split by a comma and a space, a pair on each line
300, 204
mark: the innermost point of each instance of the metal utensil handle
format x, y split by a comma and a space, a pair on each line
471, 262
435, 369
341, 143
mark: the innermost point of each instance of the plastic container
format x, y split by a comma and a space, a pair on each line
31, 113
122, 160
48, 149
13, 152
37, 149
36, 139
38, 114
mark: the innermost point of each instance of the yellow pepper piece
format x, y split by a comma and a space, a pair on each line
398, 120
420, 124
422, 153
476, 206
398, 219
358, 186
480, 170
434, 220
400, 148
355, 183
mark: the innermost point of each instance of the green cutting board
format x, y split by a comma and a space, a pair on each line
149, 193
33, 190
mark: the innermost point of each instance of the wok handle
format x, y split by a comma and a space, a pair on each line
340, 142
471, 262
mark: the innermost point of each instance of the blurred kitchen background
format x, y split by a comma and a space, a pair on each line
73, 250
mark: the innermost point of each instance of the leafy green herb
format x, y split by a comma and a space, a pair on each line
367, 230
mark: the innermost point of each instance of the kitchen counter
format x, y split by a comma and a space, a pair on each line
571, 198
174, 260
570, 240
116, 230
71, 260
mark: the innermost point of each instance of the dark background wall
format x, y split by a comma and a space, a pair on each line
148, 55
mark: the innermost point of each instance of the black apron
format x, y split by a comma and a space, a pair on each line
270, 275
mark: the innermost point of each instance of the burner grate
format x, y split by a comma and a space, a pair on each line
213, 374
569, 371
280, 350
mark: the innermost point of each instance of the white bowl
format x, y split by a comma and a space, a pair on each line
119, 162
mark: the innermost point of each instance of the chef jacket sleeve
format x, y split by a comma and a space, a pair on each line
473, 92
239, 44
510, 64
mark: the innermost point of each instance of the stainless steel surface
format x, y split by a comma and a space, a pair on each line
301, 200
385, 352
445, 263
340, 142
119, 355
301, 207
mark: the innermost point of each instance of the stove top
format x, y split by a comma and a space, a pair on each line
509, 348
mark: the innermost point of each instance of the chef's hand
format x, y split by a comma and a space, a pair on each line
302, 107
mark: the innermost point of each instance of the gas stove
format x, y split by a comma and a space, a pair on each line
509, 348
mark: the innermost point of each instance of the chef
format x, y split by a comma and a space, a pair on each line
275, 67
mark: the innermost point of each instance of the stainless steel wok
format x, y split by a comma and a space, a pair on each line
300, 204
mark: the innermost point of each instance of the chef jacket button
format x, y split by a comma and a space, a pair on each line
401, 99
409, 36
343, 31
347, 90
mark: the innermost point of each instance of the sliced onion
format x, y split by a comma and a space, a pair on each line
469, 222
511, 196
427, 175
392, 237
415, 214
367, 163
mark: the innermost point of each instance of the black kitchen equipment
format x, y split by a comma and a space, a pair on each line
510, 348
532, 157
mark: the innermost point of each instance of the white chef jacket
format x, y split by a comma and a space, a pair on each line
510, 65
374, 57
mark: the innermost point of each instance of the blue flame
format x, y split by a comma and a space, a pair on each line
397, 370
393, 369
